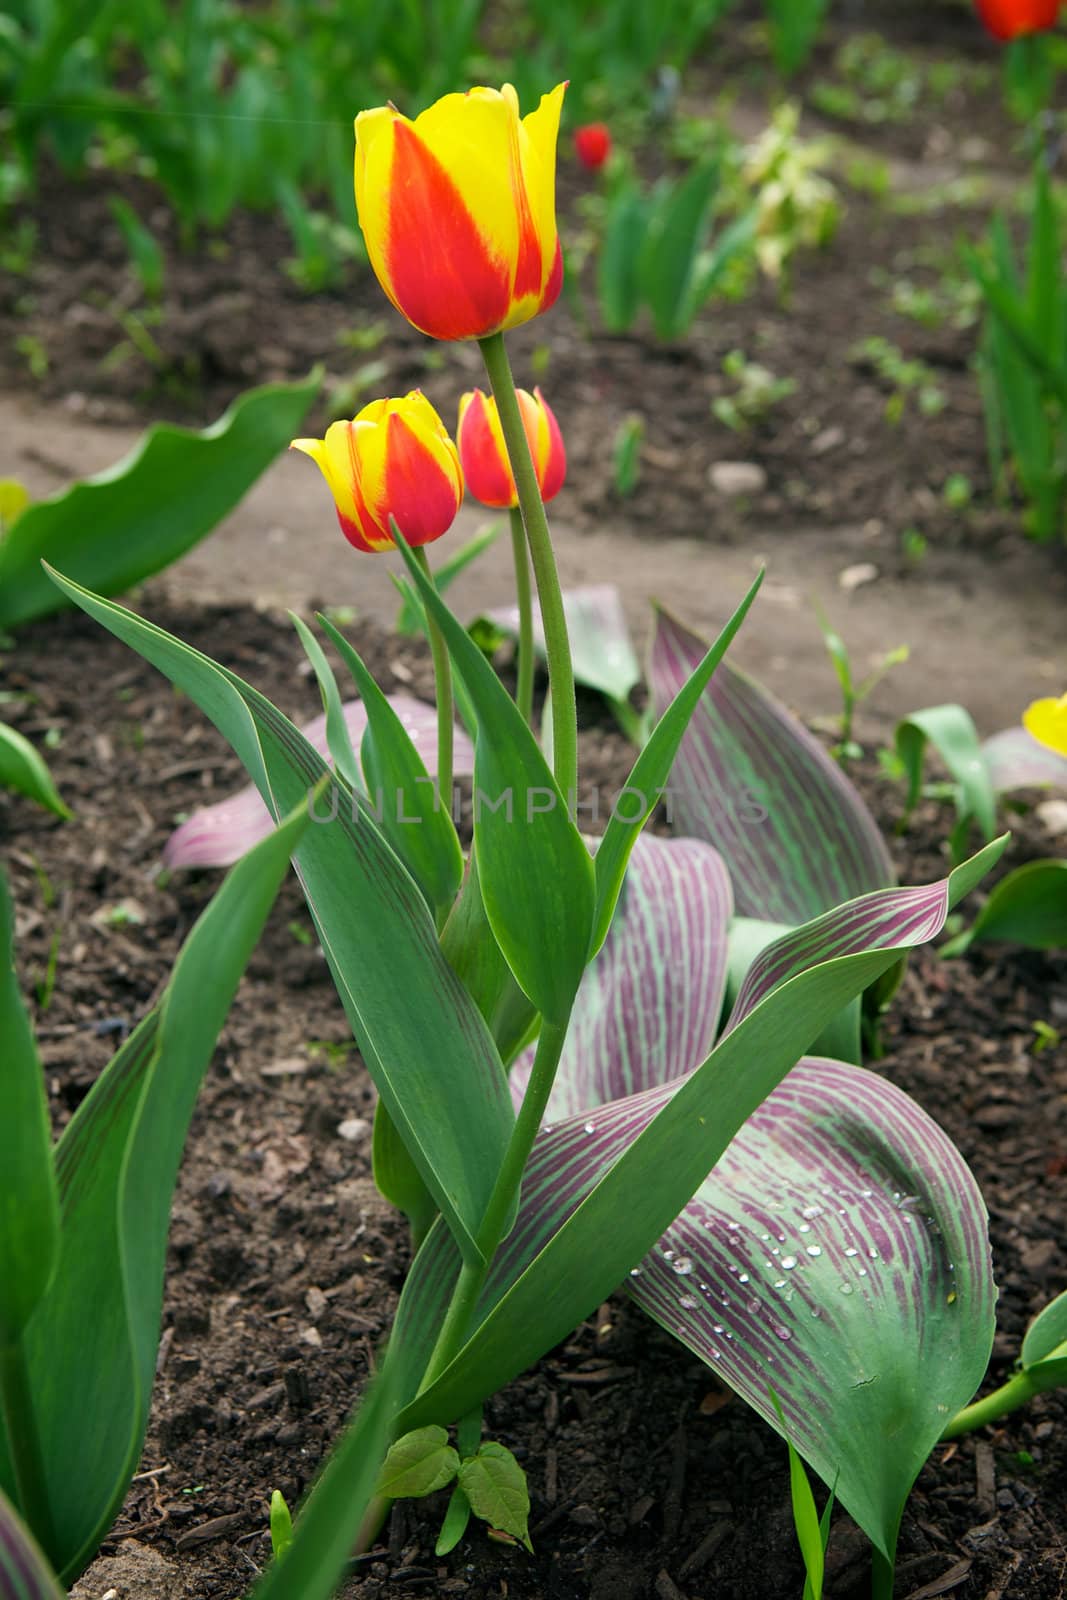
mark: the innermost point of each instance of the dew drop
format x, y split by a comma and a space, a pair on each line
805, 1227
752, 1306
743, 1278
717, 1327
683, 1266
866, 1193
635, 1272
779, 1283
590, 1127
811, 1212
668, 1255
716, 1355
765, 1237
815, 1311
851, 1252
688, 1302
872, 1255
780, 1237
781, 1331
862, 1273
788, 1262
814, 1250
846, 1288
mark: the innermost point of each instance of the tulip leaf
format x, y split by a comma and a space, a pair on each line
418, 1463
841, 1039
338, 735
116, 1165
602, 652
750, 780
1028, 907
470, 945
649, 1003
535, 872
29, 1204
219, 835
597, 1197
952, 733
652, 769
114, 529
414, 817
450, 1106
24, 1572
409, 618
25, 771
1014, 759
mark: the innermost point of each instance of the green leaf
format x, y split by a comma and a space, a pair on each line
805, 1516
409, 618
619, 284
419, 1463
495, 1485
120, 526
116, 1165
29, 1205
672, 245
450, 1105
397, 1177
413, 816
602, 653
535, 872
338, 738
24, 1572
1046, 1333
1028, 907
952, 733
281, 1525
840, 1039
470, 946
328, 1524
22, 769
454, 1526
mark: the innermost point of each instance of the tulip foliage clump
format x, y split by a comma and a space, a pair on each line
633, 1062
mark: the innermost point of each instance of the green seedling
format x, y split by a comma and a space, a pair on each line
626, 454
907, 378
756, 393
853, 693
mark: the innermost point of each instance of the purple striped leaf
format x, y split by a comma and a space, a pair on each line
1016, 760
648, 1007
221, 834
24, 1572
837, 1254
750, 780
602, 651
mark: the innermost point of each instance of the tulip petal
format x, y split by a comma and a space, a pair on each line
422, 485
483, 453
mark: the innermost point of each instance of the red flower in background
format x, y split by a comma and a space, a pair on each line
1010, 19
592, 142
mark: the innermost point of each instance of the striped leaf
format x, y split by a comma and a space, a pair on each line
450, 1105
219, 835
752, 781
602, 1187
602, 651
838, 1253
24, 1572
648, 1006
1027, 907
1016, 760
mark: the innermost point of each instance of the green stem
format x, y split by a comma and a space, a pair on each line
557, 644
1018, 1391
524, 596
473, 1274
881, 1576
442, 671
24, 1445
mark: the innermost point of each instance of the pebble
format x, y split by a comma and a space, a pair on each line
829, 439
736, 478
854, 577
1052, 814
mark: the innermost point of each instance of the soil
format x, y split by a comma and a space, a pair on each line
284, 1264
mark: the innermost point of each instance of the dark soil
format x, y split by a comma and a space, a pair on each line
231, 315
284, 1265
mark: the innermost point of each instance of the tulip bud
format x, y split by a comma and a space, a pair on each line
484, 457
1046, 721
1011, 19
592, 144
458, 210
394, 460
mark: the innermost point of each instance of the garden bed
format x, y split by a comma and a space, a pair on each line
284, 1265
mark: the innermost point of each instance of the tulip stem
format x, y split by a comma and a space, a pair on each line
442, 671
524, 597
554, 622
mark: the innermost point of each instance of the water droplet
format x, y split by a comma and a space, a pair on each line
788, 1262
683, 1266
752, 1306
781, 1331
805, 1227
811, 1212
716, 1355
779, 1283
733, 1227
866, 1193
717, 1327
635, 1272
951, 1298
729, 1335
765, 1237
846, 1288
590, 1127
872, 1255
862, 1273
668, 1255
743, 1278
851, 1252
814, 1250
688, 1302
732, 1268
815, 1311
780, 1237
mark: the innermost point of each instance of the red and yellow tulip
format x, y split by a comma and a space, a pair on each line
458, 210
1046, 721
484, 457
394, 460
1011, 19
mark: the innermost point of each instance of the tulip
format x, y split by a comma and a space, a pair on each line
592, 144
1011, 19
1046, 721
458, 210
484, 457
394, 460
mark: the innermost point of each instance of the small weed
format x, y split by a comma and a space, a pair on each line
756, 394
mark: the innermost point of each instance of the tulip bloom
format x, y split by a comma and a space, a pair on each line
592, 144
458, 210
484, 457
1011, 19
394, 460
1046, 721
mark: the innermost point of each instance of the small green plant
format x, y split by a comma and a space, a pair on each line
906, 377
957, 491
853, 693
756, 392
797, 207
626, 454
1046, 1037
144, 249
281, 1525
